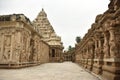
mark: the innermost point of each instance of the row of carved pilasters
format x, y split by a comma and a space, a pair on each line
111, 44
105, 33
112, 58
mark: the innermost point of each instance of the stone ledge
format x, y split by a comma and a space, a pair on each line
112, 60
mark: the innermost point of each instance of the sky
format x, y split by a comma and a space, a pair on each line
69, 18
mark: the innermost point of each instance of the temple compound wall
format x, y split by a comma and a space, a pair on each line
69, 55
20, 43
99, 51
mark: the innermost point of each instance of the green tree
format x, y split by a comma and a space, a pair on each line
69, 48
78, 39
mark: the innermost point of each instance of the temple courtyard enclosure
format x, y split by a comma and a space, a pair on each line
48, 71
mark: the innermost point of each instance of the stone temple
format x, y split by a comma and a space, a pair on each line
45, 29
25, 43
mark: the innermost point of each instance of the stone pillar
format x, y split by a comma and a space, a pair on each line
86, 56
113, 47
106, 49
96, 47
98, 59
91, 55
111, 68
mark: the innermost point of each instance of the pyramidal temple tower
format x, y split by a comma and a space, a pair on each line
45, 29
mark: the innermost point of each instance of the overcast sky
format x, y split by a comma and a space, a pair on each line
69, 18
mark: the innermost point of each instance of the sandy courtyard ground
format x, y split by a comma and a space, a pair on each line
48, 71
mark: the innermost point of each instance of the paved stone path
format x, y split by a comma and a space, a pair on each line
48, 71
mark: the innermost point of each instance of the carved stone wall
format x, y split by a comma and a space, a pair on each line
55, 54
20, 44
99, 51
7, 47
45, 29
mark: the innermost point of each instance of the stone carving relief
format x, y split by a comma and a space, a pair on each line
20, 43
5, 41
36, 48
91, 49
7, 37
106, 44
7, 47
25, 47
106, 47
115, 43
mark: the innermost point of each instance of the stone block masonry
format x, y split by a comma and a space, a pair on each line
99, 51
45, 29
20, 43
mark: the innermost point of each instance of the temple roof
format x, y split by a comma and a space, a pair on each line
42, 24
15, 17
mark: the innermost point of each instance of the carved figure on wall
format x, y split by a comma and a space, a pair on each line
17, 51
7, 41
7, 47
6, 55
115, 47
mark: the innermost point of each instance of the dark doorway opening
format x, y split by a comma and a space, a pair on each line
53, 52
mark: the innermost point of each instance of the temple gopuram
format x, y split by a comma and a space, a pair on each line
24, 43
99, 50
